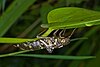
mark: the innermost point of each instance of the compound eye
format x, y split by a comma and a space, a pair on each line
63, 41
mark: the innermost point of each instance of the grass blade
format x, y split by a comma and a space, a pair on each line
10, 54
14, 11
57, 56
14, 40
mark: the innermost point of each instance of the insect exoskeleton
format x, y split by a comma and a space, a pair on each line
50, 43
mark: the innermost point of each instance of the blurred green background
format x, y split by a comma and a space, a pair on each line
27, 25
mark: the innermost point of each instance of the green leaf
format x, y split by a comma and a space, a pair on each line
14, 11
57, 56
72, 17
14, 40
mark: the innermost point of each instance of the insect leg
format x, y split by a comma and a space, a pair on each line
39, 35
61, 33
71, 33
54, 34
64, 32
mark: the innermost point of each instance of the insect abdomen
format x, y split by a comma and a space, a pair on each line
30, 45
50, 43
